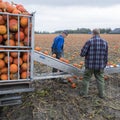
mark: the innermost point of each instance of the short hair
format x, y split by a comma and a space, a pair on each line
96, 31
65, 32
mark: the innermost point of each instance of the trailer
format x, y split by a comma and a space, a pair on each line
17, 75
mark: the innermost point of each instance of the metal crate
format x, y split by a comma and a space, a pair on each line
19, 40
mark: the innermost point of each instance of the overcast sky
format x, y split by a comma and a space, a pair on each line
52, 15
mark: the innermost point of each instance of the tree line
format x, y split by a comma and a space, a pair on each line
77, 31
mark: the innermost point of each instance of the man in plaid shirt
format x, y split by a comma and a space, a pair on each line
95, 52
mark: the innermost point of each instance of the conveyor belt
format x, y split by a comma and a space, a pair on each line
68, 68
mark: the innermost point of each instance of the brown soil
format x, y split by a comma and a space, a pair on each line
52, 100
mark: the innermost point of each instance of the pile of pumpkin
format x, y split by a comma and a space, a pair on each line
15, 32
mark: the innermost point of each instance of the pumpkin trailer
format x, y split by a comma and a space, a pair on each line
17, 55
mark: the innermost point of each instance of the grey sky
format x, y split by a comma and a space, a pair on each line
52, 15
70, 2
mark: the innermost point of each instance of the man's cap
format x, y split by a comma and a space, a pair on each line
65, 32
96, 31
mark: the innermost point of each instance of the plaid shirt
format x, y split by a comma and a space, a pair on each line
95, 51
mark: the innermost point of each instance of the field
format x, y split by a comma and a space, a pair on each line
74, 43
52, 100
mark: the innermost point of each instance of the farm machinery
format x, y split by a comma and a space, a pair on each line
17, 56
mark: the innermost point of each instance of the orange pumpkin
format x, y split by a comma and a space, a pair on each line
4, 70
18, 5
26, 30
19, 43
2, 21
2, 5
46, 52
16, 61
81, 63
21, 9
24, 67
3, 29
66, 61
62, 59
4, 77
2, 64
38, 48
2, 55
9, 7
24, 22
81, 77
19, 35
16, 11
70, 79
8, 59
1, 10
25, 57
13, 25
5, 36
73, 85
14, 54
23, 75
10, 42
106, 77
13, 76
13, 68
26, 41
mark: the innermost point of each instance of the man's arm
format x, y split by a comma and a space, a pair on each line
85, 48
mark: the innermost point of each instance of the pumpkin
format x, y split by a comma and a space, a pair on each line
19, 35
5, 36
46, 52
13, 76
2, 21
14, 54
25, 57
13, 68
16, 61
8, 59
16, 11
13, 25
3, 29
24, 67
9, 7
24, 22
4, 77
0, 10
2, 55
38, 48
73, 85
2, 5
26, 41
4, 70
10, 42
19, 43
23, 75
1, 38
2, 63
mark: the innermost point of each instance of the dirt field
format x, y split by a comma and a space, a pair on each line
52, 100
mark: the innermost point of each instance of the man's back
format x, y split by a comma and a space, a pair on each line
95, 52
58, 43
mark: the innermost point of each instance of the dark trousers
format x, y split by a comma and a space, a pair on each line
99, 75
58, 56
